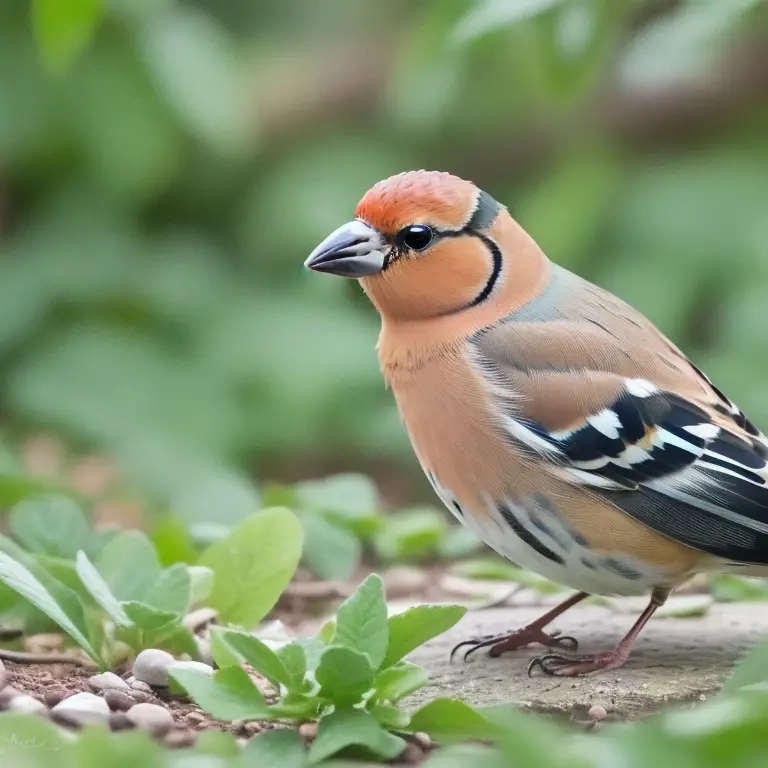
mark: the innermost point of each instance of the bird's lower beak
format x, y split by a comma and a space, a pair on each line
354, 250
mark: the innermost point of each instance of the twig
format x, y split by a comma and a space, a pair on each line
22, 657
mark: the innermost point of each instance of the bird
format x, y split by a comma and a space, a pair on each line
551, 418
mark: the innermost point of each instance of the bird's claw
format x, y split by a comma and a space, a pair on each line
516, 639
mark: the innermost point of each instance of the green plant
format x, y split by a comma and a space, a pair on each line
351, 676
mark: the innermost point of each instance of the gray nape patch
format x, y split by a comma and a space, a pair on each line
485, 212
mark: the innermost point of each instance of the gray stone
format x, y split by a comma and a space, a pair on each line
197, 619
27, 704
151, 667
151, 717
108, 681
675, 660
82, 709
118, 701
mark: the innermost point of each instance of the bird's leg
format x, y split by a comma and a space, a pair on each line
564, 666
533, 633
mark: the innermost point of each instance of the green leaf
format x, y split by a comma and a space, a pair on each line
68, 616
99, 589
490, 15
253, 564
275, 749
412, 628
459, 541
295, 661
170, 592
147, 617
344, 675
50, 525
350, 499
223, 654
31, 742
353, 727
330, 550
262, 658
735, 589
389, 716
128, 564
202, 580
64, 29
172, 541
361, 621
228, 695
411, 534
752, 669
396, 682
96, 747
453, 720
462, 755
495, 568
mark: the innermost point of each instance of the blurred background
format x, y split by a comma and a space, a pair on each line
166, 166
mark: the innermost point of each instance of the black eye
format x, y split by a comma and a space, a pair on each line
416, 237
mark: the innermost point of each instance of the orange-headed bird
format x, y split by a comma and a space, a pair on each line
550, 417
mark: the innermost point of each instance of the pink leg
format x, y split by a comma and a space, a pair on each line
533, 633
563, 666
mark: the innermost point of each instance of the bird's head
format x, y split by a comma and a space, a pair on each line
424, 244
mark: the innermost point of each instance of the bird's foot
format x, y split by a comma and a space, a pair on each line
519, 638
569, 666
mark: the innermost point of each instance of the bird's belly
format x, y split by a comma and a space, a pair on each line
532, 535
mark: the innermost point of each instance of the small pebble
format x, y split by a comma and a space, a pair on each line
151, 667
597, 712
200, 618
308, 731
52, 698
702, 697
251, 727
3, 675
195, 666
412, 753
422, 739
82, 709
8, 693
141, 687
118, 701
204, 650
179, 737
196, 718
151, 717
119, 721
108, 681
27, 704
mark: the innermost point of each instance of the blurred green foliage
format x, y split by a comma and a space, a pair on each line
166, 166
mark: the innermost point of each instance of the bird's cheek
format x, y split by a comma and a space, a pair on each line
442, 279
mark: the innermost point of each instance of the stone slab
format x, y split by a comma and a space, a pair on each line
675, 660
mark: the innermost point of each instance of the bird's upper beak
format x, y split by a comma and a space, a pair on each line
353, 250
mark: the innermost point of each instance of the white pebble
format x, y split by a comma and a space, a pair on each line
199, 618
195, 666
108, 681
151, 717
597, 712
151, 667
141, 687
27, 704
84, 709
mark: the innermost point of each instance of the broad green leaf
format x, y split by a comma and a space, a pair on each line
129, 566
228, 695
18, 578
752, 669
171, 590
412, 628
344, 675
147, 617
361, 621
459, 541
253, 564
201, 584
294, 659
216, 743
97, 747
281, 748
64, 29
174, 638
350, 499
330, 550
45, 742
463, 755
50, 525
453, 720
390, 716
727, 588
223, 654
353, 727
313, 649
262, 658
394, 683
411, 534
99, 589
490, 15
327, 631
172, 541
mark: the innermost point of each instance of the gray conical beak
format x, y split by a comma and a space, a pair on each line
353, 250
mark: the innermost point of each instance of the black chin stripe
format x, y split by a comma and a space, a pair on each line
489, 286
